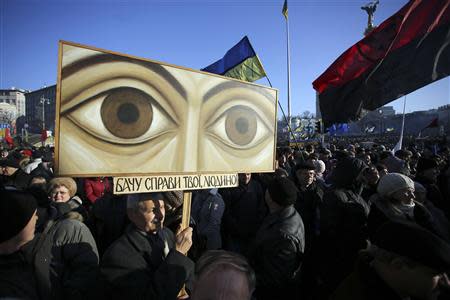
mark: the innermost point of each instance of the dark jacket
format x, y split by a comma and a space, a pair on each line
16, 277
434, 194
134, 267
19, 180
343, 223
64, 255
308, 206
364, 284
381, 212
244, 211
207, 210
276, 254
41, 171
109, 220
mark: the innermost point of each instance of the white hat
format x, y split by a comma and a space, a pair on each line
393, 182
320, 166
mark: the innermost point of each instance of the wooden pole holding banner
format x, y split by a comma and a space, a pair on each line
185, 220
187, 199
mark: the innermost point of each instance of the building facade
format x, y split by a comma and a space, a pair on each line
40, 108
16, 98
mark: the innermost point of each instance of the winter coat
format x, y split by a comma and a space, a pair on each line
308, 206
244, 211
434, 194
64, 255
207, 210
16, 277
18, 180
382, 211
136, 267
42, 171
78, 212
109, 220
32, 165
343, 223
276, 254
364, 284
97, 188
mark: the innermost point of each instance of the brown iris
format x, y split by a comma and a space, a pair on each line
127, 113
240, 124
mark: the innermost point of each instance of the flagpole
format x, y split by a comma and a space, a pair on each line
403, 123
288, 70
284, 115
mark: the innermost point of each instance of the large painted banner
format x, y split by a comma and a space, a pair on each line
119, 115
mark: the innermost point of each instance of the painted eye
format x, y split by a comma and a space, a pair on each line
127, 113
240, 127
123, 116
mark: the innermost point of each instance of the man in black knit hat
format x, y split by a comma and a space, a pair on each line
17, 224
12, 176
404, 261
276, 253
427, 174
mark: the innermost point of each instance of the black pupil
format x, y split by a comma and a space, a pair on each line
128, 113
242, 125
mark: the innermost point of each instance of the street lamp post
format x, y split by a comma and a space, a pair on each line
43, 101
381, 121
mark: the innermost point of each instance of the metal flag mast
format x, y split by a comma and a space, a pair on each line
400, 142
285, 13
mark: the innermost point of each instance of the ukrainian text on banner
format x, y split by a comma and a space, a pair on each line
145, 184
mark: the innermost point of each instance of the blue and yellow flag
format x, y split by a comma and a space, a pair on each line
240, 62
285, 9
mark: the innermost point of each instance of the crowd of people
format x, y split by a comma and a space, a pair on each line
344, 221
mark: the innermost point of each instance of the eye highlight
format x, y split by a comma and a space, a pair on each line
122, 116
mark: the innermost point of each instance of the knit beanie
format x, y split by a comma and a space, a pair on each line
16, 210
282, 191
414, 242
425, 164
10, 162
173, 198
393, 182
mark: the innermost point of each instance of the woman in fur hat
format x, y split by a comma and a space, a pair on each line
63, 189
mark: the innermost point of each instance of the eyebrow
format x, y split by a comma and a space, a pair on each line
107, 58
234, 84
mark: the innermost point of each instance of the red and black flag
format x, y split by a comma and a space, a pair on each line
433, 124
406, 52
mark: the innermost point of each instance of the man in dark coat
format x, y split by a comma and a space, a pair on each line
244, 212
276, 253
427, 174
12, 175
404, 261
343, 223
308, 202
16, 274
147, 261
309, 199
